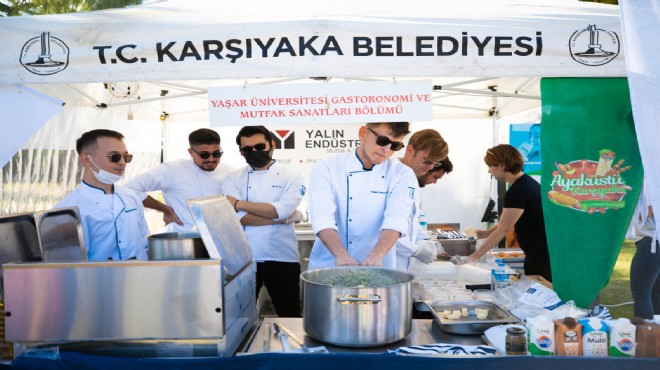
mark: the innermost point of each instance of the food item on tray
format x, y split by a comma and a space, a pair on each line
358, 278
463, 312
482, 313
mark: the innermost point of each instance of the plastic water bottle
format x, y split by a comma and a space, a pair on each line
499, 277
422, 221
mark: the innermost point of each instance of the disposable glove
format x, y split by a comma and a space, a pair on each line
426, 251
459, 260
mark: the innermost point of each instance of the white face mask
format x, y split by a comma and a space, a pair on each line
103, 175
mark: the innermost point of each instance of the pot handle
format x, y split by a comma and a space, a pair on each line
358, 299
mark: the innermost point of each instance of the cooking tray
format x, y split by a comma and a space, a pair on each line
508, 255
470, 325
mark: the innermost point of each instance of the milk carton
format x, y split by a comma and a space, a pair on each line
594, 337
622, 337
540, 336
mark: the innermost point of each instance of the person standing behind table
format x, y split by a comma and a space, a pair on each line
522, 211
425, 149
184, 179
112, 216
265, 196
361, 202
422, 241
645, 265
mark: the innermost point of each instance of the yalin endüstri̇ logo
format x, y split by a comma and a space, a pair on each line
593, 46
285, 139
590, 186
45, 55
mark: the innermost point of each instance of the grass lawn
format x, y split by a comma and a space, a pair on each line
618, 289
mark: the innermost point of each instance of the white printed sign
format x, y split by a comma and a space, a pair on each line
305, 104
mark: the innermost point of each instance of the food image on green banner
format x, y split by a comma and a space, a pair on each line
591, 178
590, 186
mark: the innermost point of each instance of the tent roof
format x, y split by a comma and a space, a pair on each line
473, 50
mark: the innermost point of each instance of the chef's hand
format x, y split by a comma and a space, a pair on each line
482, 234
296, 217
426, 251
346, 260
170, 216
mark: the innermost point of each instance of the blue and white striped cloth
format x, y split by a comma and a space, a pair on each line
445, 349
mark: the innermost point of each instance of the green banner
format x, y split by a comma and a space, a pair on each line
591, 178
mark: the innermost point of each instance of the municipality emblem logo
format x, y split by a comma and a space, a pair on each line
45, 55
594, 46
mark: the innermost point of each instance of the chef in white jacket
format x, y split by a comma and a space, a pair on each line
426, 149
112, 216
361, 202
265, 196
182, 179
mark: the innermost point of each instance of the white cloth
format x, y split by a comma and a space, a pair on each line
284, 189
359, 204
445, 349
113, 224
179, 181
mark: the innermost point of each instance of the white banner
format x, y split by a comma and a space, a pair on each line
269, 39
641, 25
305, 104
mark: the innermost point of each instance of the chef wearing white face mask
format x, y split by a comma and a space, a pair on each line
112, 216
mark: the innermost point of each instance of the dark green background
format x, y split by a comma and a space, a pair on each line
580, 117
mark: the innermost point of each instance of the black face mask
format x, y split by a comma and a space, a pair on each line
257, 159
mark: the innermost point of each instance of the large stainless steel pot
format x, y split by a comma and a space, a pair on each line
357, 317
176, 246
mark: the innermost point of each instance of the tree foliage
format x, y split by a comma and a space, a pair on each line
23, 7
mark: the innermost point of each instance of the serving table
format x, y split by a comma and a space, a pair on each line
424, 331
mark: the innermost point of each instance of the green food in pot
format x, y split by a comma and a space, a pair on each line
350, 278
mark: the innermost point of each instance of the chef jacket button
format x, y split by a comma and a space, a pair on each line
350, 220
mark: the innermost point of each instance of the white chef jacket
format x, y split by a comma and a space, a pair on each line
284, 189
113, 224
359, 204
179, 181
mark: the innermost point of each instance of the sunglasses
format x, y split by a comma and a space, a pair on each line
434, 163
259, 147
385, 141
114, 158
206, 155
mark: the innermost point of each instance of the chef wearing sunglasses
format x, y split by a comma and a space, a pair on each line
361, 202
265, 195
182, 179
112, 216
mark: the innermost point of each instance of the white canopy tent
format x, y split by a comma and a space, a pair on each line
485, 59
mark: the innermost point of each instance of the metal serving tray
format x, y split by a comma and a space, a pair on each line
470, 325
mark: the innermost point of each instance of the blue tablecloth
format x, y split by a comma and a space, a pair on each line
266, 361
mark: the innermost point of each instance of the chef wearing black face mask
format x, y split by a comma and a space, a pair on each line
265, 195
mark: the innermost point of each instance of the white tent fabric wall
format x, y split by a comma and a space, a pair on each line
641, 24
47, 167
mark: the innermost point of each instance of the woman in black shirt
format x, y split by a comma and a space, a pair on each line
522, 211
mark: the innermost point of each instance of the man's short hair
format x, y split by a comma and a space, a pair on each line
444, 165
430, 140
203, 136
397, 128
249, 131
88, 140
